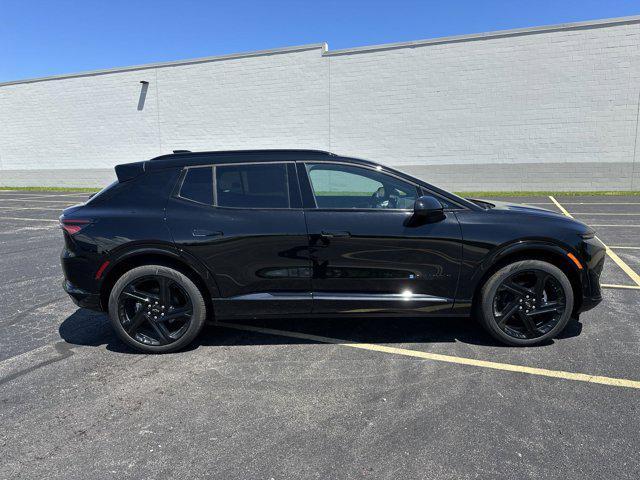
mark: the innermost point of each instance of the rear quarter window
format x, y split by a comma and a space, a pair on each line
97, 197
197, 185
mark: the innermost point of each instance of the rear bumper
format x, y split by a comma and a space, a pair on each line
81, 297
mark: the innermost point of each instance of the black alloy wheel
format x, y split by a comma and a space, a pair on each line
156, 309
526, 302
529, 304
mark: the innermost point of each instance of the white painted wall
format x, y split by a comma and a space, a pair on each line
84, 122
521, 105
275, 101
566, 96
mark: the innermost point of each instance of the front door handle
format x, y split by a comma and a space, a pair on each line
325, 234
199, 232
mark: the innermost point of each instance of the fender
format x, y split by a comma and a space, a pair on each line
543, 245
126, 252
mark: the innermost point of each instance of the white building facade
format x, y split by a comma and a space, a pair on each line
548, 108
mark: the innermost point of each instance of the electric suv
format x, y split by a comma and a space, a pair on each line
187, 237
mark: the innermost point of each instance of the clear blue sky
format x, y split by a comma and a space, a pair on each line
49, 37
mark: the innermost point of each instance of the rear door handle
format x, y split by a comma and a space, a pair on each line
325, 234
199, 232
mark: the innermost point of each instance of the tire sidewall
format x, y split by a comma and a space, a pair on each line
491, 286
197, 319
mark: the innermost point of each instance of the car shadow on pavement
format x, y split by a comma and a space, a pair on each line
88, 328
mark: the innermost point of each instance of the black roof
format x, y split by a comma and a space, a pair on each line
182, 156
185, 158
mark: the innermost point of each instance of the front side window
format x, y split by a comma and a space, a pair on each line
349, 187
198, 185
252, 186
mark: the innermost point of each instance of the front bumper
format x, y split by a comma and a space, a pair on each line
81, 297
591, 292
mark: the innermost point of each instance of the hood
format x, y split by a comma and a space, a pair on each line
516, 207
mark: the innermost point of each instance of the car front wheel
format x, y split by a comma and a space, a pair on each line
526, 303
156, 309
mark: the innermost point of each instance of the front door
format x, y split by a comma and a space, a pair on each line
367, 253
245, 222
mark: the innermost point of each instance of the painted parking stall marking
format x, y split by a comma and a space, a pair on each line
29, 200
628, 287
607, 214
30, 219
59, 209
543, 372
39, 209
621, 263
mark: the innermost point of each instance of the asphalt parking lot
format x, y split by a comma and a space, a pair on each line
371, 399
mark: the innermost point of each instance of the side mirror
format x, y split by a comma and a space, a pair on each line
428, 208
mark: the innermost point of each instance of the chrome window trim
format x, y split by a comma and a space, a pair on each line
182, 179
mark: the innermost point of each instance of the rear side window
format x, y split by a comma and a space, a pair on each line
252, 186
198, 185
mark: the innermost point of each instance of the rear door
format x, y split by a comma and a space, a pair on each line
245, 222
367, 253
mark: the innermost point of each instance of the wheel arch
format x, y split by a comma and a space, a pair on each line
545, 251
158, 255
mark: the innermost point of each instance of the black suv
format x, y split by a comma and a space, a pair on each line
190, 236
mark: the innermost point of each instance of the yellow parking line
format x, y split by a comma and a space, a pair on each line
607, 214
601, 203
612, 225
628, 287
579, 377
626, 268
562, 209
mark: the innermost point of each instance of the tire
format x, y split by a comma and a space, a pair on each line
156, 309
525, 303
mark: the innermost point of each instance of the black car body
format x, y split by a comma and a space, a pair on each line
298, 232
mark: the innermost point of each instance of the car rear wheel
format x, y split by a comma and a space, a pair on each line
526, 303
156, 309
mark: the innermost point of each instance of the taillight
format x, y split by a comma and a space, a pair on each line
73, 225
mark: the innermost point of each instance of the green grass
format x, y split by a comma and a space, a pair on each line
52, 189
545, 194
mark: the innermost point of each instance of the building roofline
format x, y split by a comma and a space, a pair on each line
218, 58
607, 22
589, 24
